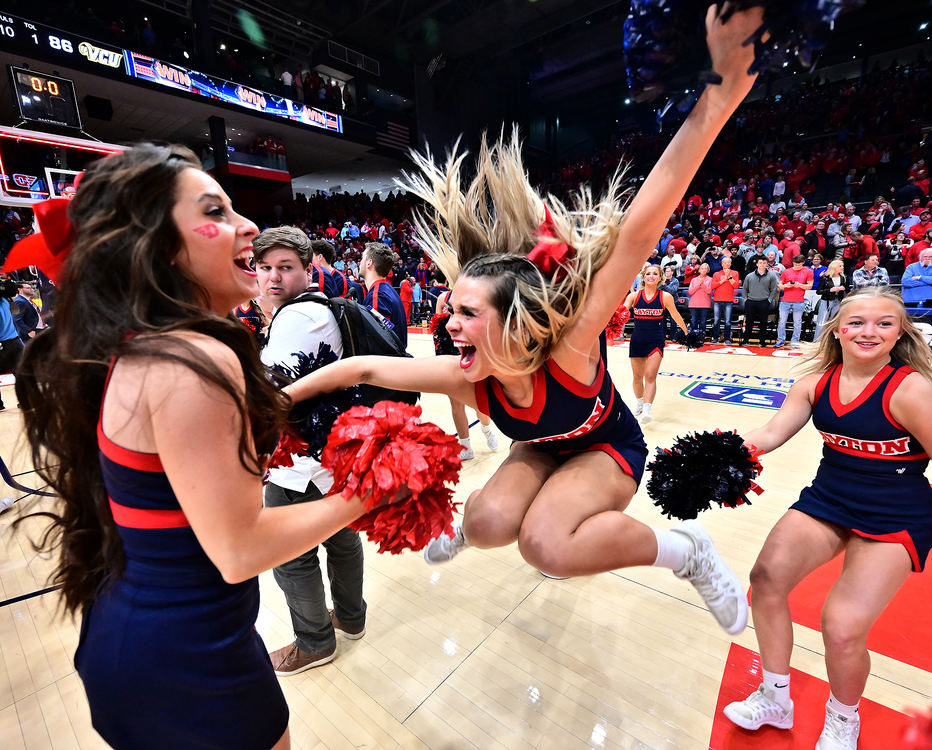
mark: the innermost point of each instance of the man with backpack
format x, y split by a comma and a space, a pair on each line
377, 260
304, 323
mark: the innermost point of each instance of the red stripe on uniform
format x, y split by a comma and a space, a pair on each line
126, 457
888, 394
144, 518
573, 385
841, 409
618, 458
897, 537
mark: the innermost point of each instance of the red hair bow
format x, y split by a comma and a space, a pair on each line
48, 248
548, 255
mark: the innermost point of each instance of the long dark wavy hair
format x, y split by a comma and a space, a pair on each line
121, 296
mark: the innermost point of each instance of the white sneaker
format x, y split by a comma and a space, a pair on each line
467, 453
645, 414
445, 548
638, 408
491, 439
714, 580
840, 731
759, 708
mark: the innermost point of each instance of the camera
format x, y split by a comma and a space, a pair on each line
8, 288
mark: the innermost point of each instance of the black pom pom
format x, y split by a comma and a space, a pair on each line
701, 469
313, 419
691, 340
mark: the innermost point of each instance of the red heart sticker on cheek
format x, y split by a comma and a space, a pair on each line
844, 330
208, 230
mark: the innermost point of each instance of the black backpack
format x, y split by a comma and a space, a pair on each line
362, 332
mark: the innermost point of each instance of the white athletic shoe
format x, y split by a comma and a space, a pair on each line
714, 580
759, 708
467, 453
645, 414
638, 408
491, 439
445, 548
840, 731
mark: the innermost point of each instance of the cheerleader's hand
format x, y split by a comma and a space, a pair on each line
727, 35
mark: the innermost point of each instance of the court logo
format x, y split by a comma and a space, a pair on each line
761, 398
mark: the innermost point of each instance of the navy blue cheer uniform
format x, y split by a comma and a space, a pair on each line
871, 479
648, 335
168, 654
567, 417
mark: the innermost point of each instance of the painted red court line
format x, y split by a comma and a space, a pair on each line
881, 727
901, 632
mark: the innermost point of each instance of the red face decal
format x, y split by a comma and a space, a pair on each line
208, 230
845, 329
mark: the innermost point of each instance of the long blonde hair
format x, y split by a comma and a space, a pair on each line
910, 349
487, 229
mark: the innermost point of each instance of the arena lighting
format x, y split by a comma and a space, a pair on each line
923, 26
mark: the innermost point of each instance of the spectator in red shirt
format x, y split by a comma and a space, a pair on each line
724, 283
794, 282
916, 231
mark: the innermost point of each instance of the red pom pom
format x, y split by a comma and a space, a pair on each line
616, 326
288, 444
436, 319
374, 452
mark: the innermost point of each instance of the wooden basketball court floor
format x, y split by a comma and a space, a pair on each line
484, 652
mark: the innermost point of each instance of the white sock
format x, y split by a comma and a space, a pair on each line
486, 428
465, 443
672, 549
778, 685
843, 708
640, 401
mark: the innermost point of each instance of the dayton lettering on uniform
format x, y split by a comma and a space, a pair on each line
208, 230
897, 447
598, 411
647, 312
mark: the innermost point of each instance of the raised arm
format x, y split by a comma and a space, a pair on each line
668, 180
792, 417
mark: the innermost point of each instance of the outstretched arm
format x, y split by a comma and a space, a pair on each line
431, 374
671, 175
791, 418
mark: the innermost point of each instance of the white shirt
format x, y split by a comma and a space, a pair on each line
303, 327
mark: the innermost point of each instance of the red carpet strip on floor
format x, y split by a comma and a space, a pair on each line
881, 727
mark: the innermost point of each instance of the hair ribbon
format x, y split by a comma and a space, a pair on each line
47, 248
548, 255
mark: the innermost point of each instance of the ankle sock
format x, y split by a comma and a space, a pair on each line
778, 685
672, 549
842, 708
465, 443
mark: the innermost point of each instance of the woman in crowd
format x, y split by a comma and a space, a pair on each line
534, 286
833, 286
869, 394
152, 423
690, 269
896, 250
700, 300
649, 307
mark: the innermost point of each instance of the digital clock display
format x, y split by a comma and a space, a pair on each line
45, 98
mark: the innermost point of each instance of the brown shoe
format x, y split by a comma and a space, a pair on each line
291, 660
354, 634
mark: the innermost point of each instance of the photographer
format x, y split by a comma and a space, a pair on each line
11, 347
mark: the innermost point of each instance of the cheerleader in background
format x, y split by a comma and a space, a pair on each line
645, 349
